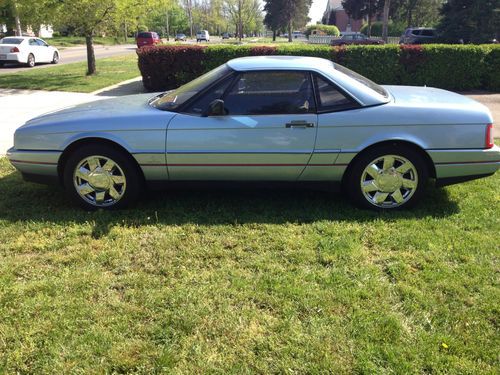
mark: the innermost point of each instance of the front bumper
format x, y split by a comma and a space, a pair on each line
36, 165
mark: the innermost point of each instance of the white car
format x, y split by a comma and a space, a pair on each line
26, 50
202, 35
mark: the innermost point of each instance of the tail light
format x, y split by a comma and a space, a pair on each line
490, 142
14, 49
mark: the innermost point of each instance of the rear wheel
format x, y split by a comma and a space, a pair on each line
387, 178
98, 176
31, 60
55, 58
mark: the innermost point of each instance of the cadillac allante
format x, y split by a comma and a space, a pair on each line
266, 118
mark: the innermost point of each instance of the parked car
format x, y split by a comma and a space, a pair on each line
225, 36
180, 37
418, 35
354, 38
27, 50
147, 38
202, 35
264, 118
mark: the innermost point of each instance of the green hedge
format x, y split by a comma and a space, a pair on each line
453, 67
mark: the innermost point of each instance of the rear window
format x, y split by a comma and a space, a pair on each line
11, 41
144, 35
365, 81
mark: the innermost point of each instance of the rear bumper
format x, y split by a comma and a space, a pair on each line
453, 166
35, 165
11, 58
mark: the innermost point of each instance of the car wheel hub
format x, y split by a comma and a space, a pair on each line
99, 180
389, 181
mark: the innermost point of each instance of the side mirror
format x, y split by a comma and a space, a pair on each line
216, 108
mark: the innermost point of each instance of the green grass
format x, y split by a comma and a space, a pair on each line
248, 282
72, 77
71, 41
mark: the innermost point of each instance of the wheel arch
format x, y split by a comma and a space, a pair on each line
71, 147
431, 169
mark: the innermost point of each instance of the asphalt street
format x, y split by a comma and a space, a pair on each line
75, 54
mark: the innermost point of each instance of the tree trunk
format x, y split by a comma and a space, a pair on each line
19, 31
90, 55
168, 28
385, 25
125, 32
274, 35
369, 19
290, 31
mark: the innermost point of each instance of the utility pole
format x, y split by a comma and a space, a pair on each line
385, 24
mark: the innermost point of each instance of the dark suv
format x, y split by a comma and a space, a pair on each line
418, 35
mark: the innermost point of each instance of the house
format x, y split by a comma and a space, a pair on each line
336, 15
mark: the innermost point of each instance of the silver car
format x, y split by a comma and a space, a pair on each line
266, 118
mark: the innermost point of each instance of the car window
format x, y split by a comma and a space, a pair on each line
427, 32
330, 98
270, 92
41, 43
201, 104
11, 41
144, 35
416, 32
33, 42
347, 37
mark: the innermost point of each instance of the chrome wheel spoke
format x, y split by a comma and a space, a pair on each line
403, 168
118, 179
380, 197
409, 184
93, 163
114, 193
99, 196
82, 173
388, 162
373, 170
369, 186
397, 196
85, 189
109, 165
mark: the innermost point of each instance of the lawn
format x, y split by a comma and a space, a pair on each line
248, 282
71, 41
72, 77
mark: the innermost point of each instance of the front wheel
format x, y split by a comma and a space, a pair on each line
55, 58
98, 176
387, 178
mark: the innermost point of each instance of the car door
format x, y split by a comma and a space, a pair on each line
268, 130
34, 48
45, 51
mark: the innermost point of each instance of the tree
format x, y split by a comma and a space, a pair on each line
475, 21
242, 12
273, 18
294, 13
416, 12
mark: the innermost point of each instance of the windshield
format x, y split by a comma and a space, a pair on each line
171, 100
365, 81
11, 41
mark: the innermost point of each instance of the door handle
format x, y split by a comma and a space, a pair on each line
299, 124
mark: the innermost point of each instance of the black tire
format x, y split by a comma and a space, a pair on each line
418, 176
128, 169
55, 58
31, 60
2, 64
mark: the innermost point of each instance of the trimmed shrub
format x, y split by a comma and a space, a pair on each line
453, 67
393, 29
327, 29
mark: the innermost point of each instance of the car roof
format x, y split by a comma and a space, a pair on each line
278, 62
363, 94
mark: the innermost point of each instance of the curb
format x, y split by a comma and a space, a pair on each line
112, 87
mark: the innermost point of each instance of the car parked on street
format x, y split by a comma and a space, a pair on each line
27, 50
264, 118
225, 36
147, 38
356, 39
180, 37
419, 35
203, 35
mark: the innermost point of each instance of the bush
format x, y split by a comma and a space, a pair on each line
327, 29
453, 67
394, 29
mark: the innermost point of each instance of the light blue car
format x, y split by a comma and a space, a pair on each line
266, 118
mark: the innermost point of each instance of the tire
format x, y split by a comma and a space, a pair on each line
2, 64
31, 60
55, 58
99, 176
394, 177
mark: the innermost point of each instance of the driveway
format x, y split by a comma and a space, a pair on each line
76, 54
15, 111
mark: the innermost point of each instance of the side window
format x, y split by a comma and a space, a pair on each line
330, 98
32, 42
41, 43
201, 104
271, 92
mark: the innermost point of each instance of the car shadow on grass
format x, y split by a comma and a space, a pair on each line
22, 201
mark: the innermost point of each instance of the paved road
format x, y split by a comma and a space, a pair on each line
15, 111
75, 54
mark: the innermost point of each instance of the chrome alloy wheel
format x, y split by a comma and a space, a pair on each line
389, 181
99, 181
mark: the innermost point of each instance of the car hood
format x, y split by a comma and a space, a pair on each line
431, 99
125, 106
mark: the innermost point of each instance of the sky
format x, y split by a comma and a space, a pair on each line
317, 9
